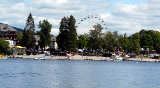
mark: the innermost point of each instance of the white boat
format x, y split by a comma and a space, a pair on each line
36, 58
117, 57
41, 58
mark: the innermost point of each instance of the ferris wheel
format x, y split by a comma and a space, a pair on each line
90, 21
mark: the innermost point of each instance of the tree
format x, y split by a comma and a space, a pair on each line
97, 32
108, 39
125, 43
30, 23
45, 37
19, 38
115, 41
28, 34
82, 41
135, 39
67, 38
111, 40
146, 40
95, 37
156, 40
28, 39
3, 46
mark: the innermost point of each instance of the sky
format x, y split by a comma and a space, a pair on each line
124, 16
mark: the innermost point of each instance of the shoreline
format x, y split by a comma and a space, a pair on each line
76, 57
79, 57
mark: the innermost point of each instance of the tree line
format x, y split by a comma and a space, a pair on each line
27, 37
145, 40
95, 40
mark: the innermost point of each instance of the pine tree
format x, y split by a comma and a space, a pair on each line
62, 38
30, 23
72, 34
28, 35
67, 38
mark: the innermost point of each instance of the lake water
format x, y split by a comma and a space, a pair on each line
78, 74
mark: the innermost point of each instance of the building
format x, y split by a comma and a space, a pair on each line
8, 32
53, 44
37, 39
11, 43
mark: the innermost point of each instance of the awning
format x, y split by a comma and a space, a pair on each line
20, 47
11, 46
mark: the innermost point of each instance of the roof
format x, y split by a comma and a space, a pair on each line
20, 47
6, 27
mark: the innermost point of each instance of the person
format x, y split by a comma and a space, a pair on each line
69, 55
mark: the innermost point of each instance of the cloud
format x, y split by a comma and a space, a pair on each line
129, 18
61, 1
118, 16
55, 12
13, 14
55, 31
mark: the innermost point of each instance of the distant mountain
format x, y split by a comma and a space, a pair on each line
6, 27
18, 29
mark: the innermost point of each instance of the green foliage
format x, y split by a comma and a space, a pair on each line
135, 41
20, 53
108, 39
28, 39
19, 38
69, 41
125, 43
19, 35
82, 41
45, 29
156, 40
95, 37
10, 52
3, 46
30, 23
116, 40
146, 39
97, 32
111, 41
67, 38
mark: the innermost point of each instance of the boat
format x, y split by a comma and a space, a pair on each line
41, 58
118, 58
36, 58
3, 57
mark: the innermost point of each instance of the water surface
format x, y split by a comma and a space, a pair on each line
78, 74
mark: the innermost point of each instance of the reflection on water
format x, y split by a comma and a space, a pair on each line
78, 74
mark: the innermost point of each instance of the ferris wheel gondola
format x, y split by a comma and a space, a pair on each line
91, 20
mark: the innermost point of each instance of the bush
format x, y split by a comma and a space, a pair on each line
10, 52
21, 53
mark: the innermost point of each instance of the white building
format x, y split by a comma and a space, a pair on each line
11, 43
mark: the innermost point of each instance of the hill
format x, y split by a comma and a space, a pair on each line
6, 27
